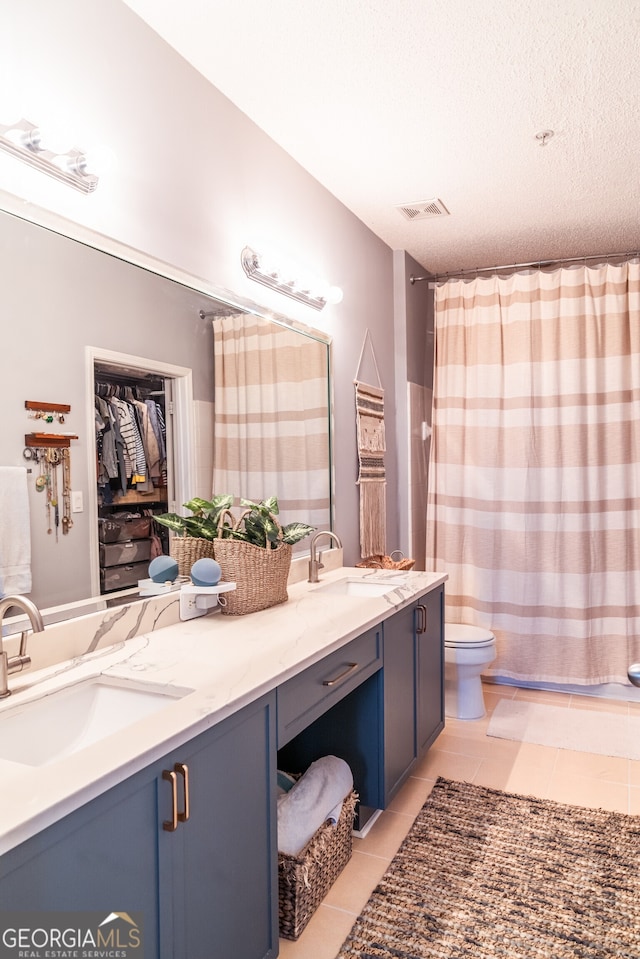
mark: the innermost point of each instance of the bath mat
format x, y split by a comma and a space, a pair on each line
590, 731
485, 874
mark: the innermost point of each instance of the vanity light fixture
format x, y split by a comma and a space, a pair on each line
23, 140
310, 291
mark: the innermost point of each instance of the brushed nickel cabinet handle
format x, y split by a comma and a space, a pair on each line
183, 770
421, 626
170, 825
331, 682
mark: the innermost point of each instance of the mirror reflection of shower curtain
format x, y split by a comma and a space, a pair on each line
534, 478
271, 417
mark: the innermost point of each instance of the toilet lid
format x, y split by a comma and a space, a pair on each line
457, 634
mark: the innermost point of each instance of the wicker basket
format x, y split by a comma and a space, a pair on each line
305, 879
187, 549
387, 562
260, 574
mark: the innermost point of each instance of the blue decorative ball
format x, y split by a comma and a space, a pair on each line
163, 569
205, 572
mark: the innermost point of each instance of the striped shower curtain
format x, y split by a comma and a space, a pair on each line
534, 483
272, 417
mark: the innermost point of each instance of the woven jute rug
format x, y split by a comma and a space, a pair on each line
486, 874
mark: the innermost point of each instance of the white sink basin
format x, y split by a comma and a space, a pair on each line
45, 730
360, 587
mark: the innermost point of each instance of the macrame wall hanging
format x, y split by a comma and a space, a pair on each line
371, 450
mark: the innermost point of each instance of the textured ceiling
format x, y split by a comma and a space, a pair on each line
389, 102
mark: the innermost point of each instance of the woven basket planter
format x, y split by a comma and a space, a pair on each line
305, 879
260, 574
187, 549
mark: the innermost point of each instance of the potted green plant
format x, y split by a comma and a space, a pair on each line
254, 552
203, 523
211, 522
258, 525
194, 535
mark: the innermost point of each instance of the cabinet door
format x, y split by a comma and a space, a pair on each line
209, 888
223, 888
101, 858
430, 668
399, 700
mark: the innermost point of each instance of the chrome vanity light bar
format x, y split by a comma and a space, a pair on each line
23, 141
257, 268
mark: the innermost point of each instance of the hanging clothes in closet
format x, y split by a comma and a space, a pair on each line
130, 441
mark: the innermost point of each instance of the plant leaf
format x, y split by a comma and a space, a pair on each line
294, 532
271, 504
173, 522
203, 528
197, 506
271, 529
218, 503
254, 525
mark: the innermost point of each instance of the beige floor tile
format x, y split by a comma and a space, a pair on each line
594, 766
528, 771
356, 882
322, 938
494, 695
634, 772
543, 696
385, 835
464, 729
412, 797
587, 791
600, 705
479, 747
634, 801
438, 762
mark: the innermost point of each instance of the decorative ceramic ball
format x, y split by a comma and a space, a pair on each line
163, 569
205, 572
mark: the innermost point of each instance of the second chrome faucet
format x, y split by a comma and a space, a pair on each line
315, 560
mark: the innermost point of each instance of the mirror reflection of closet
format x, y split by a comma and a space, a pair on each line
133, 467
138, 439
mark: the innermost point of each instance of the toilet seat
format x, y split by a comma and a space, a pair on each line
456, 635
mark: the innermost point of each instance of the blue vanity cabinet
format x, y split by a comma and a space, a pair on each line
429, 624
399, 679
205, 886
413, 687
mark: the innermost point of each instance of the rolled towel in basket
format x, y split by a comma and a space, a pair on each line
316, 797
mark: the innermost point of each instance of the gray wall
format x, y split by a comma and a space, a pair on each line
193, 182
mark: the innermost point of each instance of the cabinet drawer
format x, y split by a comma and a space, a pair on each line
302, 699
121, 577
133, 551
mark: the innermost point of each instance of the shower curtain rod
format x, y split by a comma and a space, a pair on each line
519, 266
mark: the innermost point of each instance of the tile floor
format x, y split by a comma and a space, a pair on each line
463, 751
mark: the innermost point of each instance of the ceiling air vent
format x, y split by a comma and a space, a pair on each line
423, 209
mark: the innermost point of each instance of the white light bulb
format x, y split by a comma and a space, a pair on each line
334, 295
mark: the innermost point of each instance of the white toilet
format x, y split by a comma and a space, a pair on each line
468, 650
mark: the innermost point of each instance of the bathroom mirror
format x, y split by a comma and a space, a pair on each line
60, 295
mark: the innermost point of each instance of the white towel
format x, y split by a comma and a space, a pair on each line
316, 797
15, 532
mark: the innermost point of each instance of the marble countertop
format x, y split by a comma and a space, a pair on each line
217, 664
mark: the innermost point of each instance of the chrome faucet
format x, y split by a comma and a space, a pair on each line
316, 564
16, 663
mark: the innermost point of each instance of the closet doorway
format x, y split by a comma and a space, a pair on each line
119, 561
